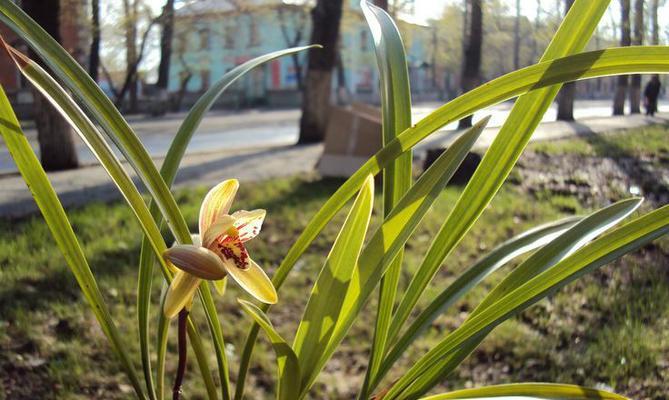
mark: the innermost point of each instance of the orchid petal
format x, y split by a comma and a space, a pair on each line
253, 280
248, 223
217, 202
198, 261
180, 293
217, 229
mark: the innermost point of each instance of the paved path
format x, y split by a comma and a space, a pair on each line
223, 131
91, 183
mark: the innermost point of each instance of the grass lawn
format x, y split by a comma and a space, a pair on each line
609, 329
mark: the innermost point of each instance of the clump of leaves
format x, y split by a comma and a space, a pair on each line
359, 261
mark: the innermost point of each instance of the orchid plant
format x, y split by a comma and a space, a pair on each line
360, 262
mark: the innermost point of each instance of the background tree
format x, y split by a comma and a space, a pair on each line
130, 8
292, 29
637, 39
166, 21
565, 98
516, 37
654, 25
94, 53
625, 39
325, 17
471, 68
55, 137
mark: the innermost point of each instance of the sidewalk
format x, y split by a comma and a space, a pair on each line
84, 185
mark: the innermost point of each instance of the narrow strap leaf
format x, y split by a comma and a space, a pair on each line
608, 247
168, 172
327, 295
570, 241
576, 67
566, 243
396, 117
501, 156
288, 365
534, 390
100, 107
388, 239
56, 219
499, 256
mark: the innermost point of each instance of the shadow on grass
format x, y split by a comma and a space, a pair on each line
637, 171
57, 285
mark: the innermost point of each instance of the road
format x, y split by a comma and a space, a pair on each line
228, 132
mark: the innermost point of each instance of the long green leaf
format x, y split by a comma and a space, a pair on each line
388, 239
600, 251
288, 364
100, 107
593, 64
161, 345
396, 117
88, 132
327, 295
54, 215
574, 238
168, 172
118, 130
499, 159
534, 390
85, 128
499, 256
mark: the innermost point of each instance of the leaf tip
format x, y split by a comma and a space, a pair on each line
19, 59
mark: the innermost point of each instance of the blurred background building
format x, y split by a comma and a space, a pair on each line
212, 37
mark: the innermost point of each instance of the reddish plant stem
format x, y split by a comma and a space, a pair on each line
183, 354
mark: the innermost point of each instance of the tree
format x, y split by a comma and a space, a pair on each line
637, 39
516, 37
565, 98
134, 54
655, 27
55, 136
297, 24
166, 21
625, 39
94, 55
325, 18
472, 52
382, 4
131, 16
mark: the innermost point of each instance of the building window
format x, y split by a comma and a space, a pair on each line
254, 35
363, 40
205, 39
229, 38
204, 78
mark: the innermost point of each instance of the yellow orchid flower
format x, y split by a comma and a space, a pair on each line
218, 251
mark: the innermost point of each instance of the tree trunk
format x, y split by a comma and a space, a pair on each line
637, 39
54, 134
566, 102
472, 54
382, 4
316, 100
167, 23
655, 27
130, 10
516, 37
621, 89
565, 99
94, 56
